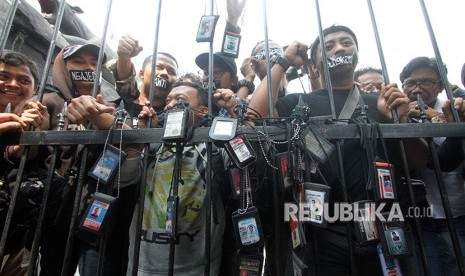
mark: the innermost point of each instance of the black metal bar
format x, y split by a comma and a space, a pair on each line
140, 213
351, 246
443, 192
74, 214
13, 200
208, 194
446, 206
142, 136
141, 200
40, 221
7, 27
98, 70
51, 49
175, 188
408, 180
208, 210
327, 77
268, 64
276, 220
437, 54
48, 61
442, 72
96, 88
27, 150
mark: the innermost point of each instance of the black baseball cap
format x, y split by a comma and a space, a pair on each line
88, 48
220, 60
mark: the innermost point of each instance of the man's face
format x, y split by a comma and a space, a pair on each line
260, 56
82, 61
337, 43
189, 95
371, 80
16, 85
423, 81
166, 69
219, 74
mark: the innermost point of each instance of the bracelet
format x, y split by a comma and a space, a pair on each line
245, 83
281, 61
130, 79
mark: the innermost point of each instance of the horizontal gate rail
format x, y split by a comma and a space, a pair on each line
140, 136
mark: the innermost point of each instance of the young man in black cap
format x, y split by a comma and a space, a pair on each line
73, 81
224, 70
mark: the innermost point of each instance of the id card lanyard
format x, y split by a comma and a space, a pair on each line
98, 213
246, 221
118, 123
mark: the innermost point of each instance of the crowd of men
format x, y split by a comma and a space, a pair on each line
153, 201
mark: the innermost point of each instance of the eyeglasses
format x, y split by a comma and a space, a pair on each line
425, 84
217, 74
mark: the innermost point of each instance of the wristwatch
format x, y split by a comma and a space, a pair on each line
245, 83
277, 59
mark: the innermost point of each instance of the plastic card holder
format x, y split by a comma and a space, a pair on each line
248, 229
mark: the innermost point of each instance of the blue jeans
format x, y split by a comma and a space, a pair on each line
432, 248
449, 259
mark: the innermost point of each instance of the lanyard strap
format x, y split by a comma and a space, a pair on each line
349, 105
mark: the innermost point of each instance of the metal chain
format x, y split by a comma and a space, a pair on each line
246, 193
264, 154
299, 166
294, 137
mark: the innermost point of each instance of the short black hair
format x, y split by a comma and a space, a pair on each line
17, 59
148, 59
417, 63
327, 31
365, 70
202, 94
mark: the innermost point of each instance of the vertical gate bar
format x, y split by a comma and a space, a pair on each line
351, 246
48, 183
208, 193
77, 199
447, 210
443, 193
51, 49
74, 214
140, 205
442, 72
276, 221
19, 177
13, 199
268, 65
98, 72
103, 41
401, 144
437, 54
7, 27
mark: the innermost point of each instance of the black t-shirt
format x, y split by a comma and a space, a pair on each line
319, 104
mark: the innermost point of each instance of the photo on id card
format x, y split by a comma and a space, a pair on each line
385, 190
315, 196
